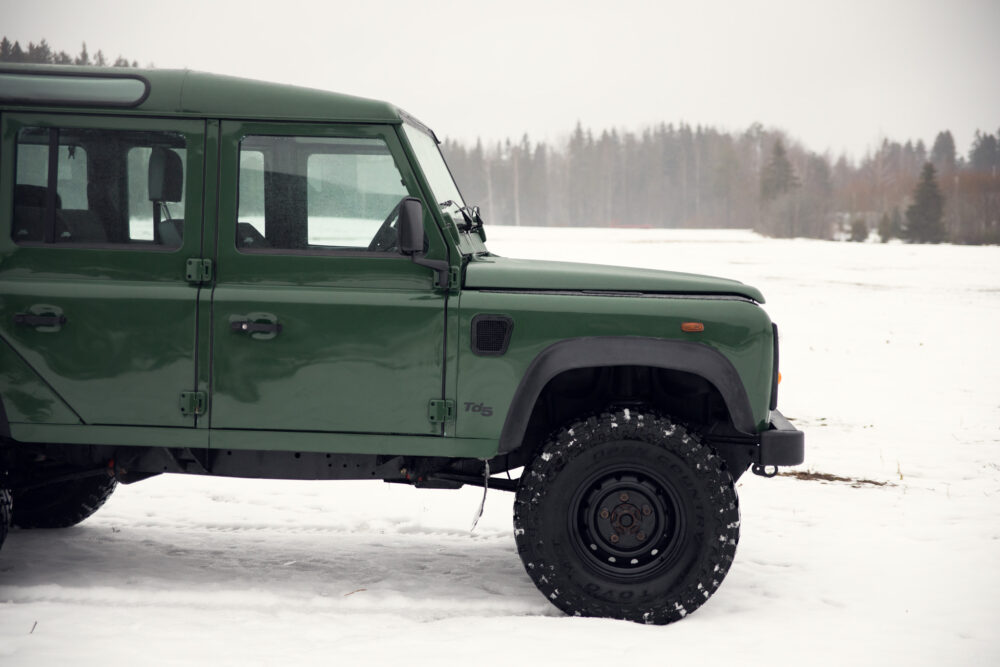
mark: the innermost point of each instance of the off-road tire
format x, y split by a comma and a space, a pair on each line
629, 516
62, 504
5, 512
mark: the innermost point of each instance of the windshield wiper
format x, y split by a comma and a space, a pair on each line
473, 220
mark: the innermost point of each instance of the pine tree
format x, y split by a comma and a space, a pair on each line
84, 57
985, 152
859, 230
778, 177
39, 53
884, 228
924, 215
943, 152
896, 224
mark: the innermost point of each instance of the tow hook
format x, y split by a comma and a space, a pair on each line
764, 471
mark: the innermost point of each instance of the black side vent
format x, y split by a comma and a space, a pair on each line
491, 334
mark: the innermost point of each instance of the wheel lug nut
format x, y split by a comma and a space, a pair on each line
605, 513
647, 510
640, 536
614, 539
623, 497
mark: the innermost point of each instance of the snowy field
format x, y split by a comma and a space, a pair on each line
890, 367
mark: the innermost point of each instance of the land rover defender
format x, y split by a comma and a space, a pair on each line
215, 276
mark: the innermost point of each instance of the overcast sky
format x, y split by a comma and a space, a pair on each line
836, 75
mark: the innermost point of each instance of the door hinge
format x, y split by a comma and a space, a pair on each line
193, 403
439, 411
454, 277
198, 271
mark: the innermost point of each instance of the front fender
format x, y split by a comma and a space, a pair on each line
589, 352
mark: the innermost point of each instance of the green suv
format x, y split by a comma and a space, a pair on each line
214, 276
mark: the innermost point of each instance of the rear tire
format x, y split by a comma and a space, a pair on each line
627, 516
62, 504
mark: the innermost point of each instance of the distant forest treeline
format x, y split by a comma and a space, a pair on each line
684, 176
43, 54
694, 176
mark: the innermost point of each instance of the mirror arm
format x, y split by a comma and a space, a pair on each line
442, 267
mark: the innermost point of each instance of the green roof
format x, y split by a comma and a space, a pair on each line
216, 96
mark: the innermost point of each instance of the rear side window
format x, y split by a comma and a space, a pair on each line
317, 193
99, 187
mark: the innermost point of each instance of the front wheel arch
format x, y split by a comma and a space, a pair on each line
607, 351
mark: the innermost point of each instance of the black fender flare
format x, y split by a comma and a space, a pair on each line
589, 352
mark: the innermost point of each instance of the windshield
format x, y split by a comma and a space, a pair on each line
433, 165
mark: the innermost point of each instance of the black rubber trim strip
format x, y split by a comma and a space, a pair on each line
774, 370
88, 74
591, 352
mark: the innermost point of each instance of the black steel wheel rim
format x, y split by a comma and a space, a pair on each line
628, 523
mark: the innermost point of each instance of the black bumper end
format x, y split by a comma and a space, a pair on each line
782, 444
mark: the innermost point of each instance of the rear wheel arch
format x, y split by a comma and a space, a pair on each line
606, 353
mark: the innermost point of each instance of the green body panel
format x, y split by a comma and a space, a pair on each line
740, 330
528, 274
26, 397
367, 340
127, 348
346, 359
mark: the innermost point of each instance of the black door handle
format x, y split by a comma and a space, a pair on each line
32, 320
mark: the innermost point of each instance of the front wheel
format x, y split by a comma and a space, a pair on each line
629, 516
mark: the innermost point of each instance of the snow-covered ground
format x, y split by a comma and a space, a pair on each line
890, 367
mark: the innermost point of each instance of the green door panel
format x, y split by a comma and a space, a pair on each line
344, 360
124, 354
126, 347
25, 396
318, 338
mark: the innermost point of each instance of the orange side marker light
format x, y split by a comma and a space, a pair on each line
692, 327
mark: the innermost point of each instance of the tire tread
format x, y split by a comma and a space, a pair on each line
569, 443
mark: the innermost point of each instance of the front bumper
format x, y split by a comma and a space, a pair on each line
782, 444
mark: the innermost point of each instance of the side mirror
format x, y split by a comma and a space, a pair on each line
410, 227
410, 239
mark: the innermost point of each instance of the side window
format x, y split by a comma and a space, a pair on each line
149, 167
250, 229
317, 193
87, 186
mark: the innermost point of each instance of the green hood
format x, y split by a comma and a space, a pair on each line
527, 274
